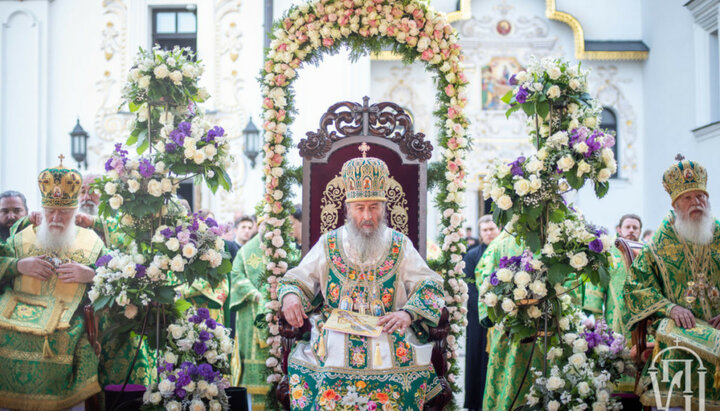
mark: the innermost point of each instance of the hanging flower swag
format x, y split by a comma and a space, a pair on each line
411, 29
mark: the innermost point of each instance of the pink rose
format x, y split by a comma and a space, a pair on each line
268, 103
427, 55
452, 113
327, 42
450, 90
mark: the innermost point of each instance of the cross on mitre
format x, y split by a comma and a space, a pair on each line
364, 148
61, 157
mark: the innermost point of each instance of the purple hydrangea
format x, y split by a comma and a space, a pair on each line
102, 261
213, 133
139, 271
522, 95
516, 167
593, 339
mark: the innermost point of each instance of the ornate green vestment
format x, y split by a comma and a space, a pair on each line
46, 359
247, 298
670, 271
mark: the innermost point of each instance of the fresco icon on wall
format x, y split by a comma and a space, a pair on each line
496, 81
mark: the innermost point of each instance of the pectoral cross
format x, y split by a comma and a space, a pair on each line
361, 304
364, 148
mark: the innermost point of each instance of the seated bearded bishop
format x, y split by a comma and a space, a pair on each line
368, 268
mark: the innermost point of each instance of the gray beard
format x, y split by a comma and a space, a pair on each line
699, 232
367, 246
56, 242
88, 208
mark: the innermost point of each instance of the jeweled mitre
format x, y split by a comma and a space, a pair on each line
365, 179
684, 176
60, 187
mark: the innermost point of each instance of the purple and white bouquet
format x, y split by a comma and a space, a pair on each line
589, 358
134, 187
192, 366
197, 147
193, 249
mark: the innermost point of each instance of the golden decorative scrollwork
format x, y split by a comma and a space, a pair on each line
334, 196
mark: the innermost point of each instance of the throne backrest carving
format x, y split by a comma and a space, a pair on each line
388, 130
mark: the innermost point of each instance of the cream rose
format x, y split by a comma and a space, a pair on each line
581, 147
110, 188
522, 278
133, 185
553, 92
555, 383
161, 71
177, 264
534, 312
115, 201
490, 299
166, 386
522, 187
580, 345
554, 73
131, 311
538, 288
504, 202
172, 244
189, 251
508, 305
566, 163
590, 122
578, 359
574, 84
534, 165
520, 293
166, 185
504, 275
583, 168
176, 77
173, 406
579, 261
154, 188
603, 175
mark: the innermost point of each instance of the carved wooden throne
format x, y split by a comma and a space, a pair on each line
388, 131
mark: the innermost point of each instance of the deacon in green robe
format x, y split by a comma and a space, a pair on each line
46, 359
676, 282
247, 299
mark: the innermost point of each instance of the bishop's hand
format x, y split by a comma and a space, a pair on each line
293, 310
715, 322
396, 320
75, 273
683, 317
36, 267
84, 220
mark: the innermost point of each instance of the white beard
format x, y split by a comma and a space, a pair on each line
700, 232
54, 241
367, 246
89, 208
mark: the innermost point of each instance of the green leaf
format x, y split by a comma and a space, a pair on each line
533, 241
529, 108
182, 305
572, 179
225, 267
512, 109
557, 215
133, 106
166, 295
131, 140
101, 302
144, 146
507, 97
604, 276
543, 109
557, 272
601, 189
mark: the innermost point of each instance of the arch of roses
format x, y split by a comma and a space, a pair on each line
413, 30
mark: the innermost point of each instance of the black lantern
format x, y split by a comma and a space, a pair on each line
252, 142
78, 141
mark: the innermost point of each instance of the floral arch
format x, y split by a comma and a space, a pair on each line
413, 30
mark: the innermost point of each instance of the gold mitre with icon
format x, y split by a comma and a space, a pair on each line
60, 186
365, 178
684, 176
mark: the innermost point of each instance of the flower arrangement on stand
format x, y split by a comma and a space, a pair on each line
192, 366
163, 247
532, 300
413, 30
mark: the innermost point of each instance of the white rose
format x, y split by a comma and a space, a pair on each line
161, 71
490, 299
553, 92
155, 398
497, 192
573, 124
559, 139
579, 260
564, 323
166, 386
504, 202
554, 383
172, 244
110, 188
574, 84
189, 251
226, 347
166, 185
553, 352
199, 156
581, 147
215, 406
535, 183
583, 167
599, 407
602, 396
504, 275
197, 405
534, 311
578, 359
519, 293
569, 338
603, 175
554, 73
522, 278
503, 170
566, 163
177, 332
542, 154
590, 122
210, 151
144, 82
177, 264
173, 406
93, 294
131, 311
189, 387
133, 185
580, 345
534, 165
176, 77
508, 305
115, 201
154, 188
212, 390
553, 405
564, 186
522, 187
607, 156
153, 272
538, 288
211, 356
170, 357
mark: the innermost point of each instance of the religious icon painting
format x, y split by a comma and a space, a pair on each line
503, 27
496, 81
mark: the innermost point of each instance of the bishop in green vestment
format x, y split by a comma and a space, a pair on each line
46, 359
676, 282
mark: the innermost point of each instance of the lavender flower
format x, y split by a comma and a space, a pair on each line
167, 233
213, 133
513, 80
522, 95
516, 167
203, 313
204, 335
185, 128
596, 245
211, 324
139, 271
494, 280
199, 347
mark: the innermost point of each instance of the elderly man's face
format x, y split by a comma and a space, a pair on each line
629, 229
58, 219
366, 215
692, 205
11, 210
488, 232
89, 198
